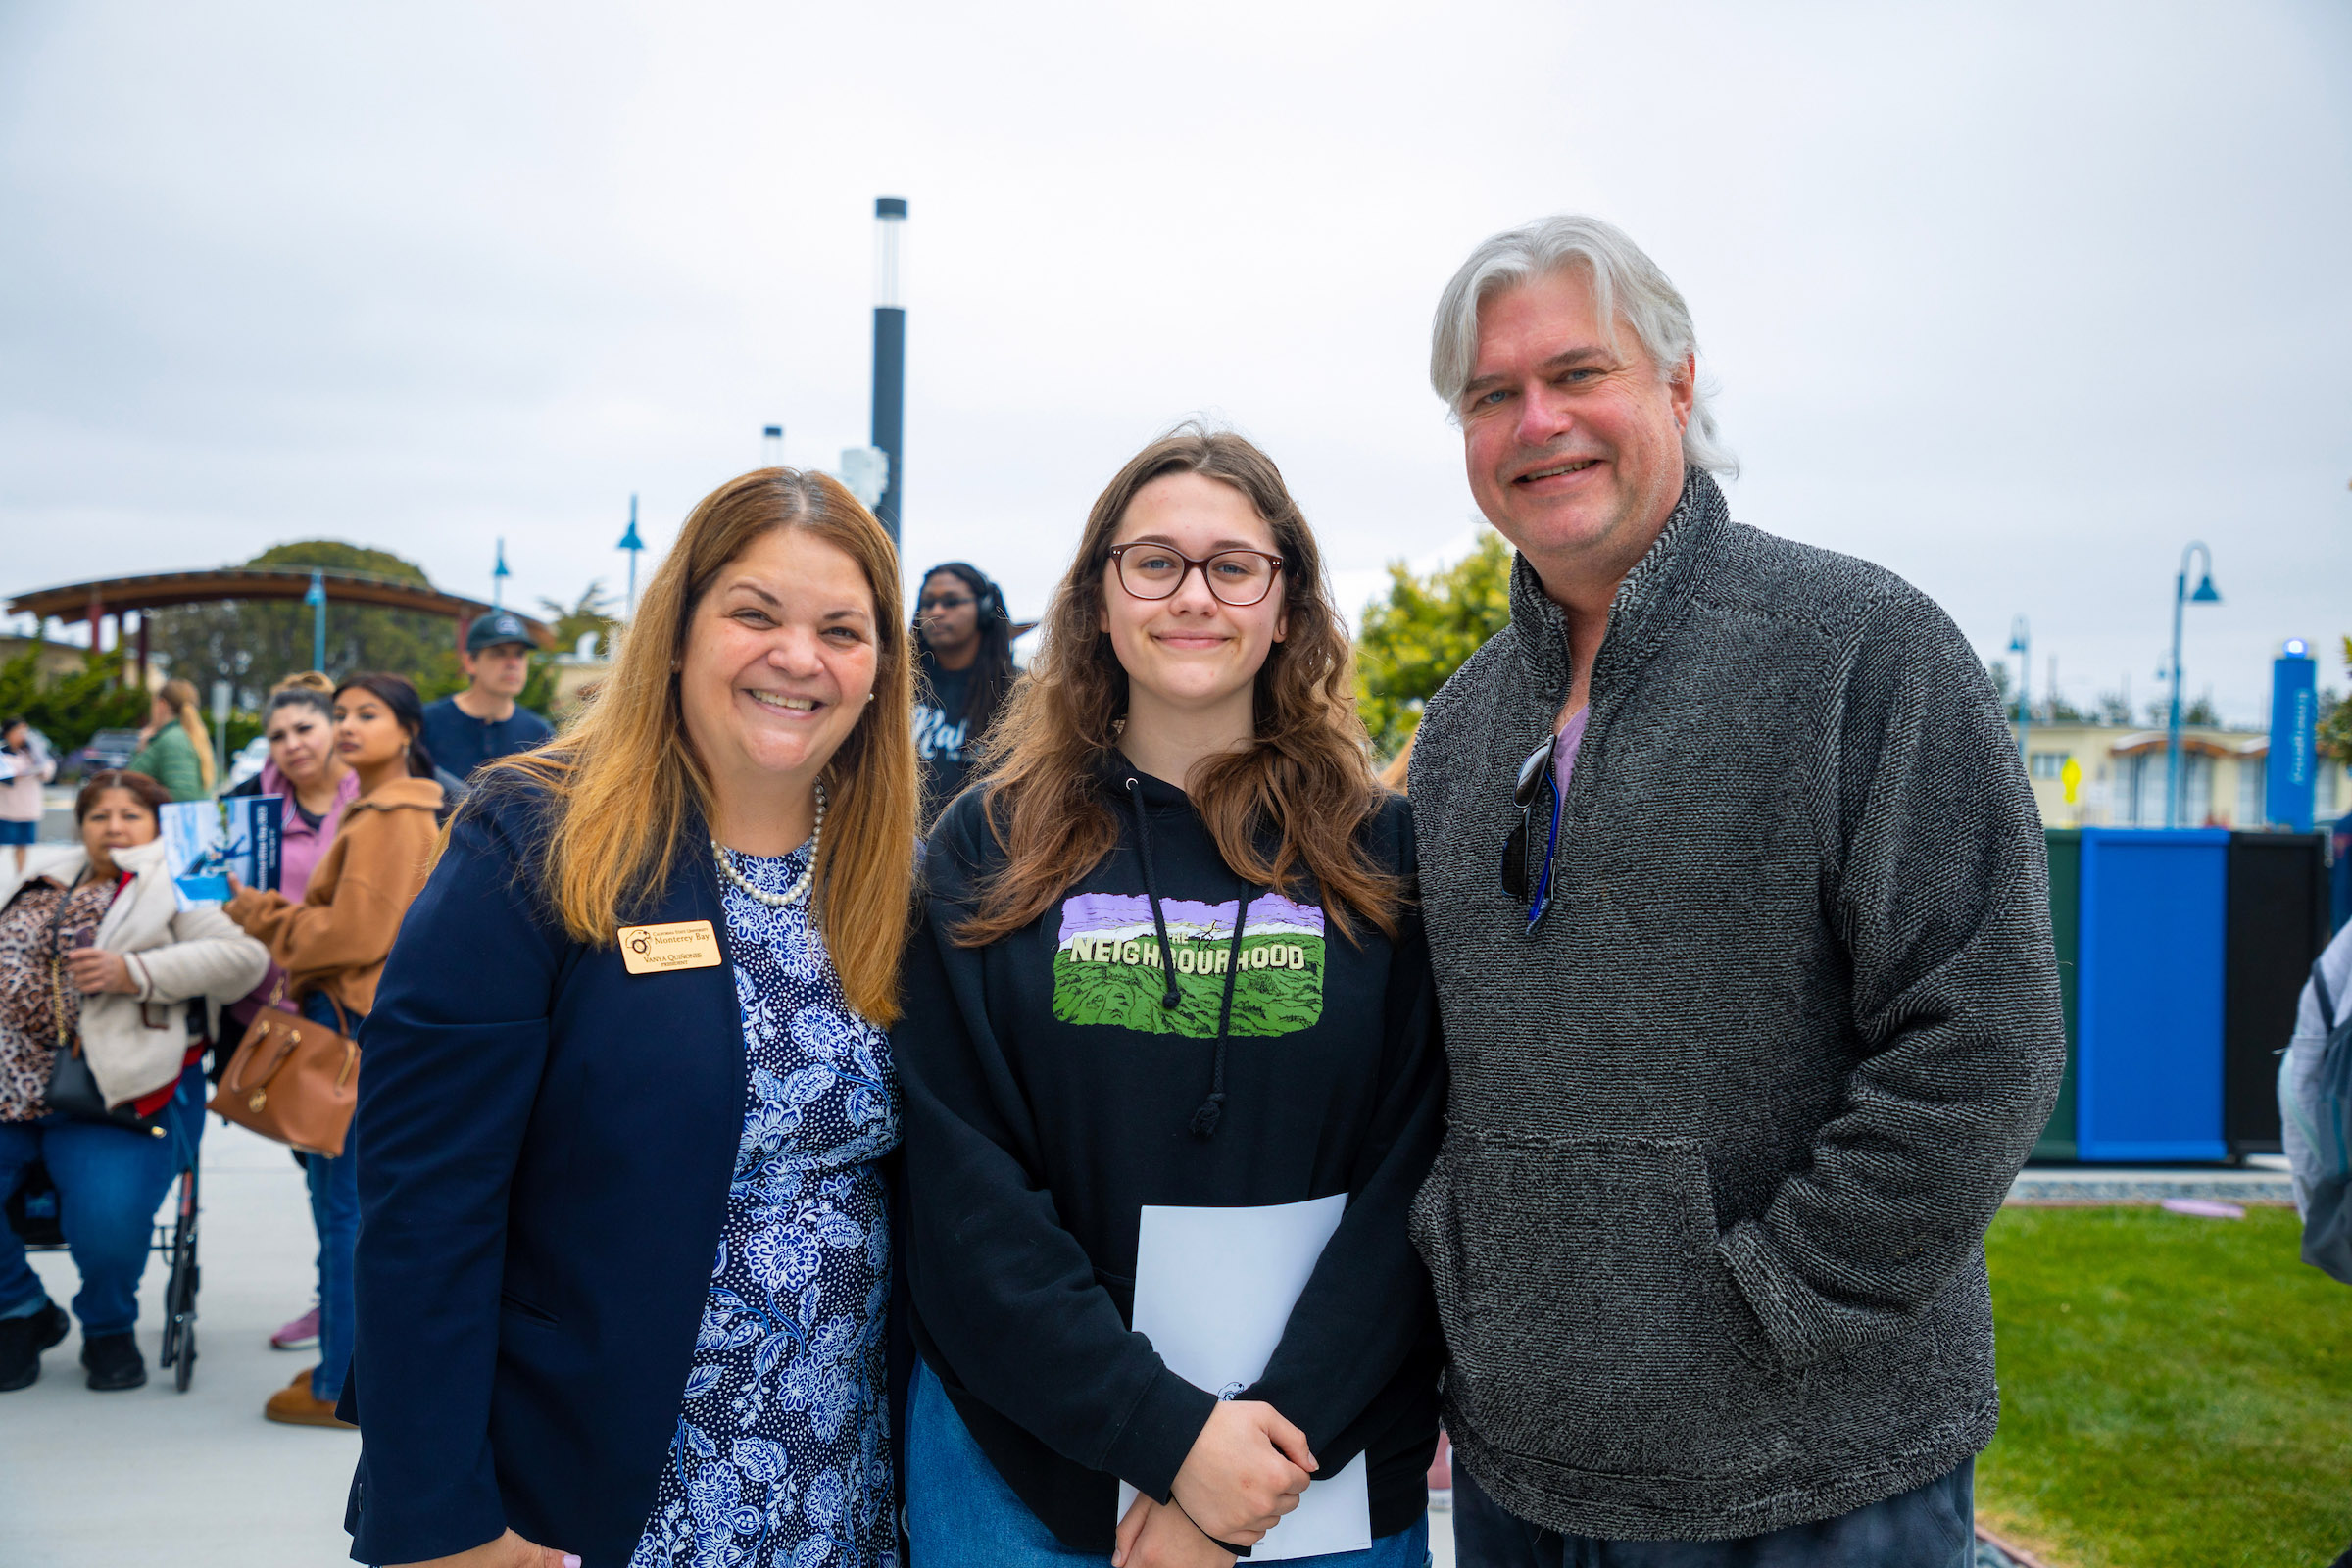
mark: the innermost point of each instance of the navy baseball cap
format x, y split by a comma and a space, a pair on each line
498, 626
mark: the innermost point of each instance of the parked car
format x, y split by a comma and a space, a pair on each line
109, 748
245, 763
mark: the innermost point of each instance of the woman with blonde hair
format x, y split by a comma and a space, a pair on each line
174, 748
1168, 957
625, 1256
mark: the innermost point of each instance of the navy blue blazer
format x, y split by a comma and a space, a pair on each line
547, 1144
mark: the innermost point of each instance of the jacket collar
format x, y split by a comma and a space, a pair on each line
139, 859
1647, 604
66, 862
422, 793
273, 782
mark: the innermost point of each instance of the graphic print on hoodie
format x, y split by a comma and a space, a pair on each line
1108, 968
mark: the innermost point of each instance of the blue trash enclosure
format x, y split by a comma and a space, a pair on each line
2149, 1005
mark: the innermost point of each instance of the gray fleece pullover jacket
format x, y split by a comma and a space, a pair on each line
1727, 1129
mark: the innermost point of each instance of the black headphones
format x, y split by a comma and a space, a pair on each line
989, 601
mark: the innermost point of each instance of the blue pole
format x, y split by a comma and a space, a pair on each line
632, 543
2021, 643
317, 599
2172, 724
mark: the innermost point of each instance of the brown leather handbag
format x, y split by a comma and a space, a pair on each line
293, 1080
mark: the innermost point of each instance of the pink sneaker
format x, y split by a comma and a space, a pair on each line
300, 1335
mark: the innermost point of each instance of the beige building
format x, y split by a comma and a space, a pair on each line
2108, 775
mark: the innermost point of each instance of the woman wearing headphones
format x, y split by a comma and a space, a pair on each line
966, 667
1168, 957
624, 1254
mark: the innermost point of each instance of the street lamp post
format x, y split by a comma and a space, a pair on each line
634, 545
2181, 598
889, 357
2021, 643
317, 599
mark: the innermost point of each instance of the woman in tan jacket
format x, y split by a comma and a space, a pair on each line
332, 945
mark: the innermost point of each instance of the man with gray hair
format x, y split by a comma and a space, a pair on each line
1759, 1019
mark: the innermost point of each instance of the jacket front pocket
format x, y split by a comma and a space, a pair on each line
1589, 1321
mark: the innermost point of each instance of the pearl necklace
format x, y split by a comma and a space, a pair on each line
799, 887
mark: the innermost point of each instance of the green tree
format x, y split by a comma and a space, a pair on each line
1412, 641
2114, 708
2196, 710
69, 709
592, 612
253, 643
2335, 719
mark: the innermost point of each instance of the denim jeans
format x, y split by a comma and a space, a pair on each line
110, 1181
1931, 1525
335, 1211
961, 1514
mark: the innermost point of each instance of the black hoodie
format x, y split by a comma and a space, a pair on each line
1051, 1092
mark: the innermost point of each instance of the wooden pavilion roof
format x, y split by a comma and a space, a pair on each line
164, 589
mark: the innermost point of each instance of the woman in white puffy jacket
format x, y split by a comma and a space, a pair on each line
94, 948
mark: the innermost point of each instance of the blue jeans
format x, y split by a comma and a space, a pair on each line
335, 1211
110, 1181
1931, 1525
961, 1514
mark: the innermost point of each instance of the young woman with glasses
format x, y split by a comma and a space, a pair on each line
1167, 956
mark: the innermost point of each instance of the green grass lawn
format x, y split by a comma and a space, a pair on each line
2175, 1393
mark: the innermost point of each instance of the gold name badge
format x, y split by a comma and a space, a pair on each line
659, 949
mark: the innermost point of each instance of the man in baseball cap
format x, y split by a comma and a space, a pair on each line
483, 722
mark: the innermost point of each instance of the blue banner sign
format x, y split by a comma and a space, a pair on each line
2291, 776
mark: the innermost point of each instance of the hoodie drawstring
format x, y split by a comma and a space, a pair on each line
1213, 1109
1204, 1120
1142, 845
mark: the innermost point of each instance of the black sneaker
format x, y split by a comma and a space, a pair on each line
114, 1361
22, 1341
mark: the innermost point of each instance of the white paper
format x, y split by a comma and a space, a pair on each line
1213, 1291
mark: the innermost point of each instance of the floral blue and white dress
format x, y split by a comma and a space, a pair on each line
782, 1451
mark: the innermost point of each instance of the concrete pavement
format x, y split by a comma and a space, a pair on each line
196, 1479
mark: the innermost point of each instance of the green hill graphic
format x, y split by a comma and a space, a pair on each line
1279, 990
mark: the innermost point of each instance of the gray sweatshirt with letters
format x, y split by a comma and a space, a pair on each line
1727, 1129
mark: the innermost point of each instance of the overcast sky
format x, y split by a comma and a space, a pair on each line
2014, 302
